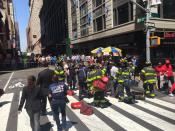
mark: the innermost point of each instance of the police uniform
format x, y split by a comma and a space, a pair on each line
148, 75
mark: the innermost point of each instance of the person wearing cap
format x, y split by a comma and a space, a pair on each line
168, 71
148, 75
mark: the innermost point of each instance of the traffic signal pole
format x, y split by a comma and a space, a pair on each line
148, 57
147, 10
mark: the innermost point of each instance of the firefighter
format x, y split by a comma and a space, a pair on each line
148, 76
123, 80
59, 70
96, 73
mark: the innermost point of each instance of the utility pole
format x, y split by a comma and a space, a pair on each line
148, 13
148, 58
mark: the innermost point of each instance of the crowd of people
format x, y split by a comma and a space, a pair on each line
94, 77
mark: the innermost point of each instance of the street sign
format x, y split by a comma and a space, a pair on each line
140, 20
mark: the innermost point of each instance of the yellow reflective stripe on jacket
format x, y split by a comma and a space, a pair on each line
125, 73
143, 71
59, 72
120, 80
150, 74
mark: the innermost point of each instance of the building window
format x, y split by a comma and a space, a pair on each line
84, 18
99, 18
168, 7
83, 9
123, 14
74, 20
97, 3
84, 30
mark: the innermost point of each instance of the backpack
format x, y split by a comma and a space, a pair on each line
82, 74
128, 100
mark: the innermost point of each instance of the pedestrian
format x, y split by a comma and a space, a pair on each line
72, 76
44, 80
172, 89
168, 71
82, 76
58, 92
31, 96
159, 71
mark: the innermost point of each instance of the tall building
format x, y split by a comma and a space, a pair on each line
7, 30
33, 30
120, 23
53, 17
17, 36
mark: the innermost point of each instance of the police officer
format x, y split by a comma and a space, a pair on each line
58, 92
148, 76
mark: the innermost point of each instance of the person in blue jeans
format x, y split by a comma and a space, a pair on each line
57, 93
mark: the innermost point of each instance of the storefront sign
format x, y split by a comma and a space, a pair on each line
169, 35
168, 43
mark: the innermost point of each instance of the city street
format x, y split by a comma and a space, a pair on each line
156, 114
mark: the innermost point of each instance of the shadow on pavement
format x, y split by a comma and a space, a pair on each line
4, 102
46, 127
4, 72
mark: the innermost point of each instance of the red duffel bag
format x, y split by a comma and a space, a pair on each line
76, 105
70, 92
86, 109
105, 79
99, 84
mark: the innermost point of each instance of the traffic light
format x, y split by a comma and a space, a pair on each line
154, 41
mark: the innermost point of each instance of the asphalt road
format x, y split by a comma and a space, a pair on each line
151, 114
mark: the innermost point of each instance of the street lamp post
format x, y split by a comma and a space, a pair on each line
148, 58
148, 11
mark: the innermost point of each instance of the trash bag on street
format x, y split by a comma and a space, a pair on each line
70, 92
86, 109
76, 105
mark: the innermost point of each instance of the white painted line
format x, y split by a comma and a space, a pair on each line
156, 109
23, 119
143, 115
8, 81
92, 122
5, 110
120, 119
161, 102
50, 117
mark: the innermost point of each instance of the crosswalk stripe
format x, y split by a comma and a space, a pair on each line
157, 110
5, 102
105, 119
159, 123
161, 102
50, 118
92, 122
119, 118
23, 120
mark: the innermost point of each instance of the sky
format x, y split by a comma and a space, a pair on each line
22, 17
